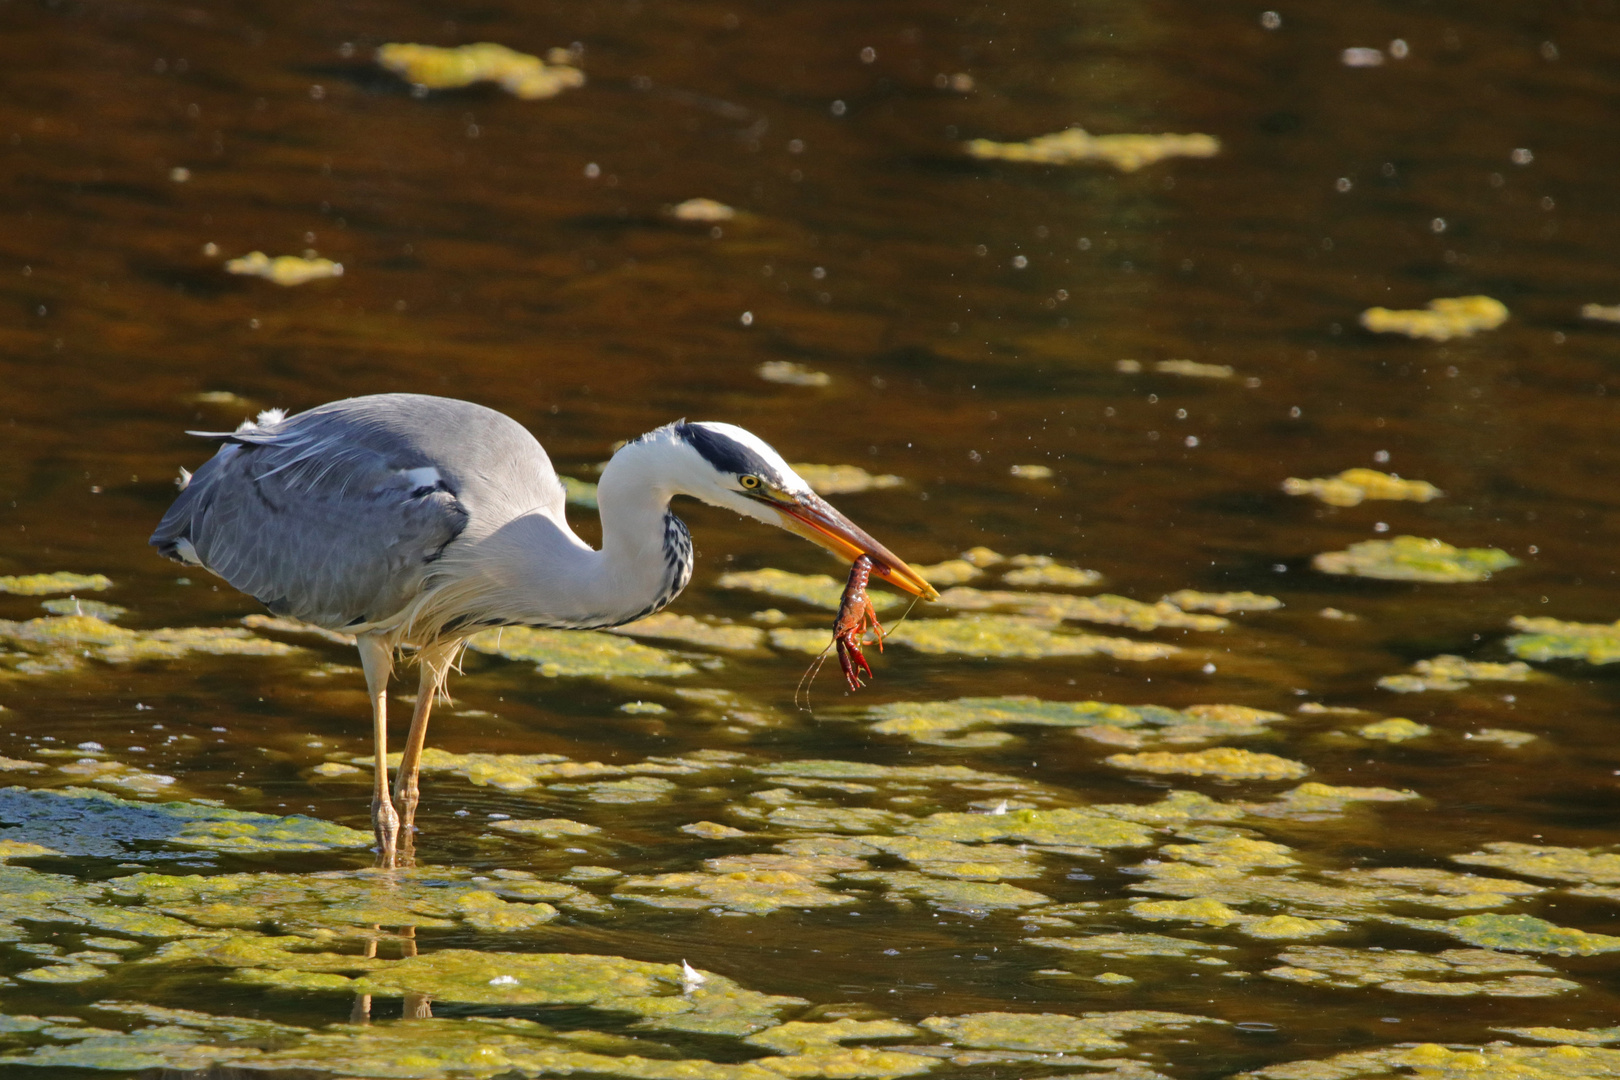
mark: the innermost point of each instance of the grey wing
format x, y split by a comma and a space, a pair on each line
316, 522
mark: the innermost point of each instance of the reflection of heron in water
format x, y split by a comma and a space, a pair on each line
412, 520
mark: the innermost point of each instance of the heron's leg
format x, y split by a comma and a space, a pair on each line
378, 661
434, 661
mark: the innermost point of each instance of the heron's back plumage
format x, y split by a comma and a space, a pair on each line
340, 515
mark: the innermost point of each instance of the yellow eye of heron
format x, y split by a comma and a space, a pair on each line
750, 482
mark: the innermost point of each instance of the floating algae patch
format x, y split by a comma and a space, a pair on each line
952, 859
58, 642
1442, 320
1223, 761
845, 819
1055, 1033
828, 769
818, 590
1129, 946
1232, 851
656, 992
59, 582
1452, 973
580, 653
709, 211
1448, 672
1352, 486
285, 270
1127, 153
1544, 639
520, 772
1206, 911
1412, 558
636, 789
519, 74
695, 632
545, 828
1312, 801
797, 1036
1568, 1036
1053, 575
1431, 886
951, 895
1523, 933
315, 904
1013, 637
580, 493
1455, 1062
1588, 867
73, 605
1505, 736
950, 572
178, 1039
844, 479
790, 374
1222, 603
1396, 729
83, 822
944, 723
486, 1047
752, 891
1063, 827
1601, 312
1107, 608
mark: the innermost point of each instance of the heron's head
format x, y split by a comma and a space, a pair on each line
737, 469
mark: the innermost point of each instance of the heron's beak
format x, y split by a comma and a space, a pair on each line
813, 518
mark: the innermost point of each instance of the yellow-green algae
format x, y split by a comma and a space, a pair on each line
1352, 486
1586, 866
546, 828
695, 632
59, 582
749, 891
1010, 636
1192, 369
1224, 603
284, 269
1119, 946
581, 493
1310, 801
844, 479
1056, 1033
1394, 730
520, 772
1127, 153
82, 821
1431, 1061
73, 605
1522, 933
519, 74
1052, 575
818, 590
1553, 639
779, 371
1451, 973
1447, 672
58, 642
1107, 608
1568, 1036
950, 572
1442, 320
1223, 761
1031, 472
1412, 558
941, 723
1506, 736
588, 653
1065, 827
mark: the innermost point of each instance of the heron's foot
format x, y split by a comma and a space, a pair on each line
385, 824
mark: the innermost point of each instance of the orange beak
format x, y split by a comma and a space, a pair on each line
813, 518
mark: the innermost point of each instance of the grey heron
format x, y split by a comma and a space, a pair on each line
409, 520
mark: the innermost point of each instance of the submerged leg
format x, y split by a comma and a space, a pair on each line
378, 661
435, 662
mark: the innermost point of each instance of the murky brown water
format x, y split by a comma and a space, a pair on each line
972, 317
